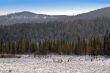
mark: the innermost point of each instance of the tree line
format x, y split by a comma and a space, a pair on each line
90, 46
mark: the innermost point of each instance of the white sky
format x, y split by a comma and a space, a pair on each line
52, 11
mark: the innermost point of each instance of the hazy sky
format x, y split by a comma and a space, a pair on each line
52, 7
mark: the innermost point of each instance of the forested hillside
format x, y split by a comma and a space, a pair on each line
83, 34
80, 37
91, 46
55, 30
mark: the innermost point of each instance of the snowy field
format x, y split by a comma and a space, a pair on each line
55, 64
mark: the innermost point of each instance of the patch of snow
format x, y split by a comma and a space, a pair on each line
45, 17
55, 64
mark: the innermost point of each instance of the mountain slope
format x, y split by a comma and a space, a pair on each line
29, 17
55, 30
27, 25
103, 12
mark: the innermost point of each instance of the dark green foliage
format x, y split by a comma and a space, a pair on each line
92, 46
107, 43
57, 38
43, 47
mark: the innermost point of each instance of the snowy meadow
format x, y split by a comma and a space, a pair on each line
55, 64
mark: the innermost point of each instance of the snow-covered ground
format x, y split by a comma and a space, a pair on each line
55, 64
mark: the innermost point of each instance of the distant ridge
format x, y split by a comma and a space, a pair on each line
29, 17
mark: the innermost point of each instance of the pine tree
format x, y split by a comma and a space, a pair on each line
107, 43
